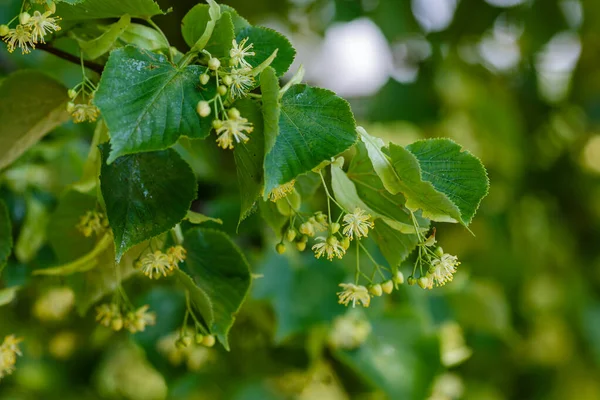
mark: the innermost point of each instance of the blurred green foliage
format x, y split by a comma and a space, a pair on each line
527, 292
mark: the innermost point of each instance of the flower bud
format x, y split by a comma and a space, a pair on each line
203, 108
24, 18
214, 63
117, 324
4, 29
217, 123
72, 93
332, 240
423, 282
335, 227
320, 217
199, 338
290, 235
304, 239
183, 342
222, 90
234, 113
376, 290
280, 248
209, 341
204, 78
227, 80
387, 286
345, 242
398, 278
411, 280
439, 252
301, 246
70, 107
307, 229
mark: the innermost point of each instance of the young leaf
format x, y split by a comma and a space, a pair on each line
265, 42
220, 270
456, 173
6, 240
144, 37
194, 24
197, 218
271, 109
99, 9
145, 194
249, 158
31, 105
315, 125
147, 103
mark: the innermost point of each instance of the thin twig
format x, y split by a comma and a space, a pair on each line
70, 57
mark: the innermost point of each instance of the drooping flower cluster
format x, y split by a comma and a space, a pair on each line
113, 316
92, 222
194, 353
81, 106
157, 264
9, 350
31, 29
361, 295
282, 191
357, 224
234, 127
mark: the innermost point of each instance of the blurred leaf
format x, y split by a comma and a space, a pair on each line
6, 240
31, 105
315, 125
141, 203
456, 173
399, 357
302, 292
220, 270
66, 240
147, 103
249, 158
270, 213
265, 42
33, 231
99, 9
8, 295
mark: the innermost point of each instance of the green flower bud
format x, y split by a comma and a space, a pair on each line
234, 113
345, 242
335, 227
217, 123
280, 248
423, 282
70, 107
301, 246
439, 252
320, 217
222, 90
387, 286
204, 78
227, 80
4, 29
24, 18
199, 338
411, 280
209, 341
290, 235
72, 93
203, 108
117, 324
307, 229
398, 278
376, 290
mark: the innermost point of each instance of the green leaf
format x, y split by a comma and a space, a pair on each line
239, 22
394, 245
31, 105
399, 357
249, 158
8, 295
315, 125
100, 9
194, 24
66, 240
145, 194
104, 43
197, 218
265, 42
220, 270
400, 173
456, 173
198, 297
144, 37
302, 294
370, 189
6, 239
148, 103
270, 213
271, 109
33, 231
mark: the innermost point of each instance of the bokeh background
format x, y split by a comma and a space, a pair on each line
515, 81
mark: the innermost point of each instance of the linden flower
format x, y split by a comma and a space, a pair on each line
330, 246
443, 269
153, 265
349, 331
357, 224
233, 128
354, 293
239, 52
241, 82
176, 254
19, 37
281, 191
136, 321
107, 313
9, 350
42, 25
92, 222
83, 112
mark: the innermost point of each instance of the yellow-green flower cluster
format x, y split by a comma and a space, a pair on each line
92, 222
111, 316
31, 29
84, 110
361, 295
282, 191
349, 331
179, 350
158, 264
9, 350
